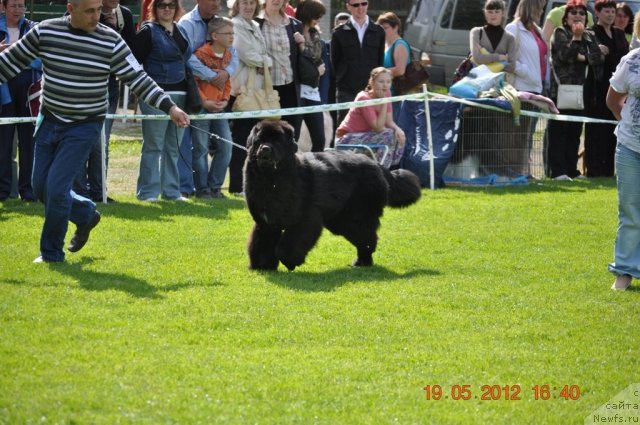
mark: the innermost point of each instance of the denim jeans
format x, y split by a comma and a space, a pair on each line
159, 159
88, 182
203, 176
184, 164
627, 246
17, 108
60, 151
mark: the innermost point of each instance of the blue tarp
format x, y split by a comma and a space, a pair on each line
445, 124
448, 134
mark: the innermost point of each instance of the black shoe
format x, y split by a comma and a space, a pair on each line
98, 200
203, 194
81, 236
217, 194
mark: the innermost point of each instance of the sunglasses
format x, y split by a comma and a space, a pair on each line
166, 5
363, 4
577, 12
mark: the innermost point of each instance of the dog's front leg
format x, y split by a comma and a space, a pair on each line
297, 240
262, 248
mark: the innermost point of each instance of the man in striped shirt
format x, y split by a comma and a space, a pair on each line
77, 54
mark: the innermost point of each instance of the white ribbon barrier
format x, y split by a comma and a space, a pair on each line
335, 107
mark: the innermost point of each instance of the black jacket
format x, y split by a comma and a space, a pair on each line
351, 62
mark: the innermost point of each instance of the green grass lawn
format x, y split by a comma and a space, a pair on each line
158, 319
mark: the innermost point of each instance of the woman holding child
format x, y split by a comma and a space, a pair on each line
162, 49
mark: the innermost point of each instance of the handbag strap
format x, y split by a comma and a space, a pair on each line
251, 79
268, 84
555, 76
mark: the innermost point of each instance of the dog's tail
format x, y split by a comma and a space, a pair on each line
404, 188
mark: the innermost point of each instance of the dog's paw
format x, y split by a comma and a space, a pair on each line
360, 262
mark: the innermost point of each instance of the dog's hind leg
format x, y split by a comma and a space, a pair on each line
365, 238
262, 248
297, 241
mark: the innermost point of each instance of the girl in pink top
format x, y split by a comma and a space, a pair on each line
374, 125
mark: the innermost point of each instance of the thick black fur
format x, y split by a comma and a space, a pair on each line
292, 196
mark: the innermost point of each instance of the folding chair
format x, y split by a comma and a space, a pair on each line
369, 150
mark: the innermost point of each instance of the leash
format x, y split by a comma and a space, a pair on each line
222, 139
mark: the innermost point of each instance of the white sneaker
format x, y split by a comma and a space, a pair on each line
581, 177
181, 199
563, 177
151, 200
621, 283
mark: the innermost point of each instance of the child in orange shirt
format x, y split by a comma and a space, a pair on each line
216, 55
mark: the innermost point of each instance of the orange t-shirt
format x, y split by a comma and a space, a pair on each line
207, 56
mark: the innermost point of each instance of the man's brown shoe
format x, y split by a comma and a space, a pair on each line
81, 236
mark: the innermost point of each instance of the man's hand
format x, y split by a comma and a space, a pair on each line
179, 117
220, 79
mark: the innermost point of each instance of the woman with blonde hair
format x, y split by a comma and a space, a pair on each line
491, 43
253, 57
283, 35
374, 125
531, 62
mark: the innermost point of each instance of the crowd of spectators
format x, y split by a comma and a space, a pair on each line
571, 47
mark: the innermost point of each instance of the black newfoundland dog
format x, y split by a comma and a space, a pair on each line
292, 196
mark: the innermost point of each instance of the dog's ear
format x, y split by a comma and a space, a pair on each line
254, 133
289, 133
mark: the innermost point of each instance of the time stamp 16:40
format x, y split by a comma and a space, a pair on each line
512, 392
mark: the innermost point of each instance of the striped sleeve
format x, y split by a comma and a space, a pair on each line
129, 70
19, 55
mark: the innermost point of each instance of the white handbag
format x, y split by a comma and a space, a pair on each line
570, 96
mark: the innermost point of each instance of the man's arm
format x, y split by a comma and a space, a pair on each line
129, 70
129, 30
335, 52
381, 48
200, 70
19, 55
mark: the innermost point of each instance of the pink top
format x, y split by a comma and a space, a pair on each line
360, 120
542, 50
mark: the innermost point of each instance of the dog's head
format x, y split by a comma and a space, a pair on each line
271, 145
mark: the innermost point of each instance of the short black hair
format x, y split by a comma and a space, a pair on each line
308, 10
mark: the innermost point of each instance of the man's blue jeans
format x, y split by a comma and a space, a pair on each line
627, 247
60, 151
203, 176
89, 180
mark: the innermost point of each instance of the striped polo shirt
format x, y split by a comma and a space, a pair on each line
76, 66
